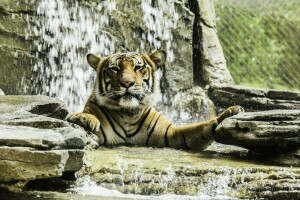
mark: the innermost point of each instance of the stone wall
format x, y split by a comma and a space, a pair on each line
15, 47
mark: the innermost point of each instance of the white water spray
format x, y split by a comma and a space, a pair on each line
68, 32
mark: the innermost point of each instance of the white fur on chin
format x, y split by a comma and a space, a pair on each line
129, 103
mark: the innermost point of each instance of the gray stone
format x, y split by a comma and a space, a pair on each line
228, 171
209, 65
34, 146
41, 105
214, 64
253, 99
58, 138
16, 47
23, 163
265, 130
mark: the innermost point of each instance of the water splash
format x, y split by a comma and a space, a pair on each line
86, 186
69, 30
160, 17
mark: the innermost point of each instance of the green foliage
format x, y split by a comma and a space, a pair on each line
261, 41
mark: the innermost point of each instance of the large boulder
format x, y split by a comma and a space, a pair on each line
209, 64
265, 130
34, 145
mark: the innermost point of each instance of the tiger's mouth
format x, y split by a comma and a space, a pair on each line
129, 95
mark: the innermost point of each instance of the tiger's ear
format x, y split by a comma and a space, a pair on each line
93, 60
158, 57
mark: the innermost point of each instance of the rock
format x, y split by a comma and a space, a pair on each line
23, 163
41, 105
228, 171
58, 138
266, 130
253, 99
1, 93
16, 47
209, 64
34, 145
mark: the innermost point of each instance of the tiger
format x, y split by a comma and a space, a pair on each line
121, 108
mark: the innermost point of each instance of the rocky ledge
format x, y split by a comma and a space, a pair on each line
35, 143
265, 130
253, 99
218, 171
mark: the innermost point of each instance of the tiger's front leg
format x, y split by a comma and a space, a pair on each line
198, 136
88, 121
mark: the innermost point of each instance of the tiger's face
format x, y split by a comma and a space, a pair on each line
126, 80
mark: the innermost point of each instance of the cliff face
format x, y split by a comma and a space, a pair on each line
15, 46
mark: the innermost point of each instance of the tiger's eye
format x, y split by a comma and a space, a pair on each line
138, 67
114, 69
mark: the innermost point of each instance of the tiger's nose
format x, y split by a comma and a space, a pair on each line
126, 83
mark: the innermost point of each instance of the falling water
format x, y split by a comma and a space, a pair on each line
68, 32
159, 24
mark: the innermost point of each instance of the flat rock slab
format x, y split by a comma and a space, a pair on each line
266, 130
41, 105
253, 99
23, 163
58, 138
228, 171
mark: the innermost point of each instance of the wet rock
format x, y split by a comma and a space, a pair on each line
41, 105
34, 145
58, 138
253, 99
23, 163
266, 130
220, 170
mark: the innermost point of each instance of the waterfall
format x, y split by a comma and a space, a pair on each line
68, 32
69, 29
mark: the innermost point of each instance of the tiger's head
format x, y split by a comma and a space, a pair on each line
126, 80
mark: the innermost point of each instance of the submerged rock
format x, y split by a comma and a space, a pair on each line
220, 170
265, 130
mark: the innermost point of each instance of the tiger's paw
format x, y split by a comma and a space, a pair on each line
88, 121
232, 110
